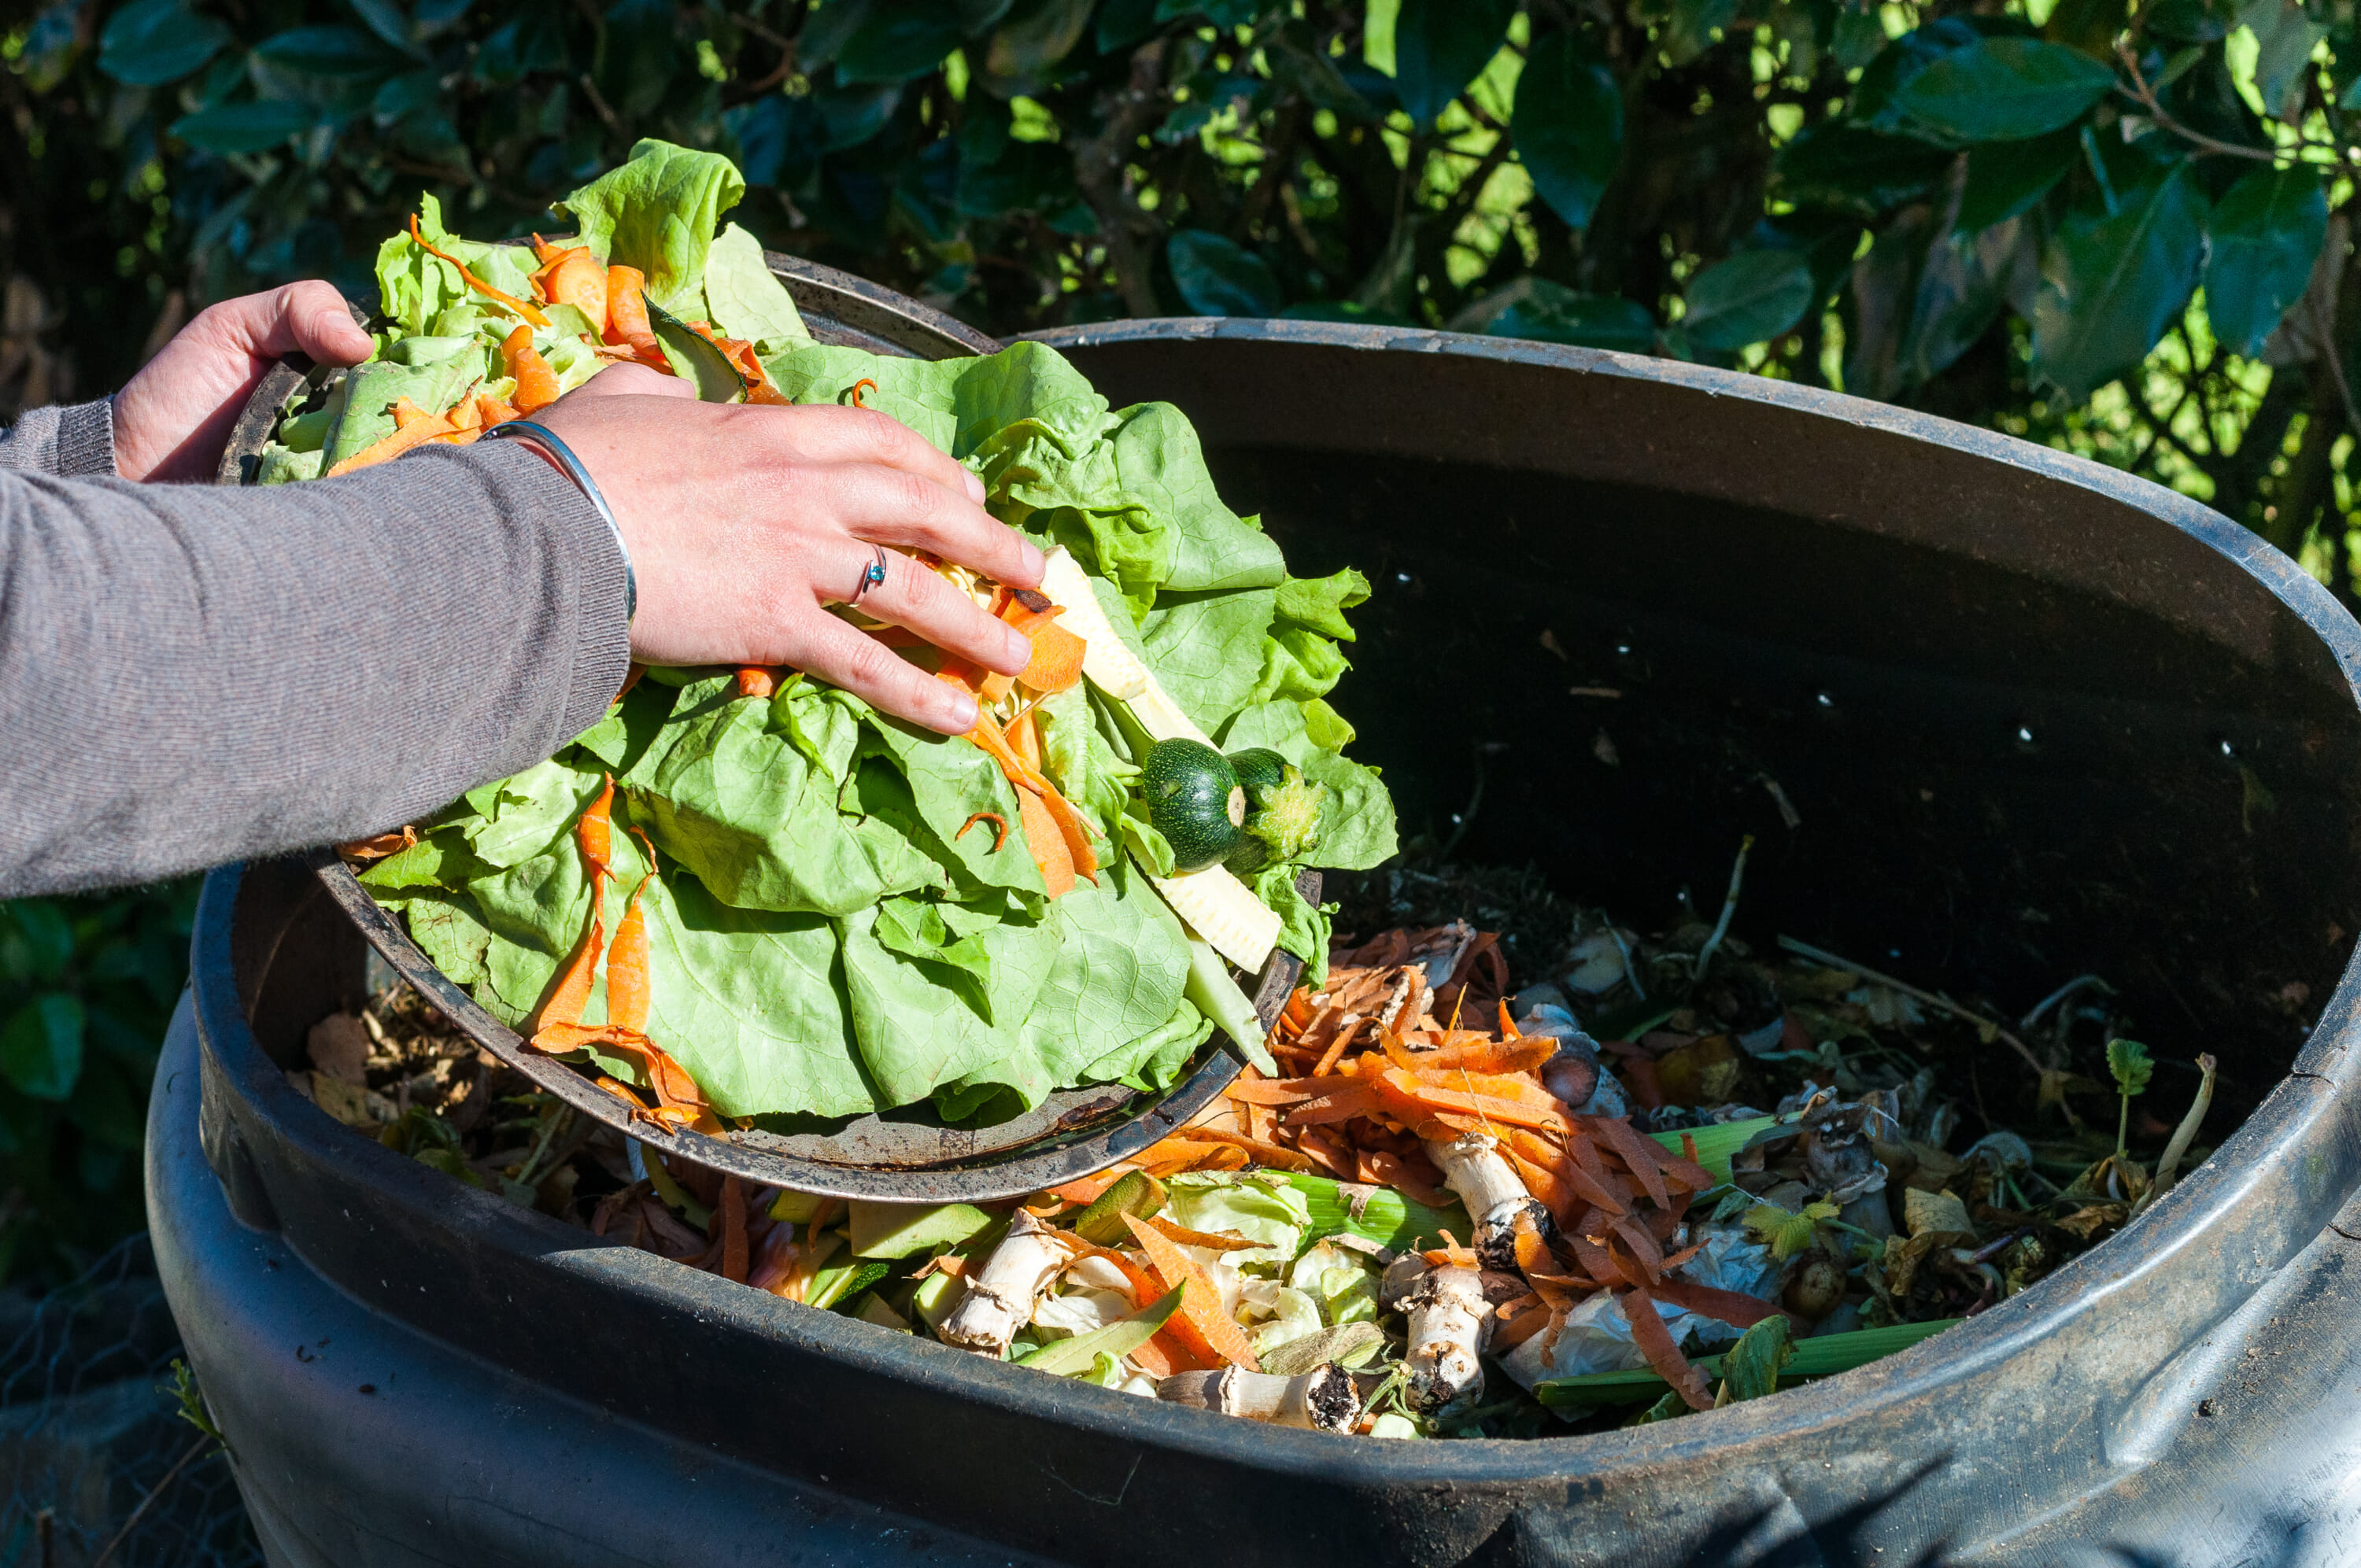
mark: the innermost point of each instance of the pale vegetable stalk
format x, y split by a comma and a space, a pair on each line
1472, 1168
1111, 664
1212, 991
1214, 905
1002, 1294
1323, 1400
1224, 911
2183, 1137
1448, 1321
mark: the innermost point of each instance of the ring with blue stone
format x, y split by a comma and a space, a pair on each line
872, 576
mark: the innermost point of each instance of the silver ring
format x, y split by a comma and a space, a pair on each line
872, 576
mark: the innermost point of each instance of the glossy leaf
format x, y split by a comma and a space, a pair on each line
2285, 35
40, 1047
2113, 283
1852, 167
245, 128
36, 941
899, 40
1219, 277
1440, 45
1569, 125
156, 41
1035, 36
2262, 240
1692, 28
2005, 89
1747, 298
1552, 313
2004, 178
335, 53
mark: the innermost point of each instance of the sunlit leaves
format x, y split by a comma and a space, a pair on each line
2113, 282
1568, 125
1440, 45
2003, 89
2263, 237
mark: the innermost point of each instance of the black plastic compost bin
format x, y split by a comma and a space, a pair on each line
2034, 719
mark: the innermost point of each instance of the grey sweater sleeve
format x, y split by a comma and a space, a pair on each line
191, 675
76, 441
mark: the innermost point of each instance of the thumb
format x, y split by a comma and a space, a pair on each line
311, 316
317, 321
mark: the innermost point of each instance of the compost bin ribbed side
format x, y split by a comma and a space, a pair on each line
2029, 663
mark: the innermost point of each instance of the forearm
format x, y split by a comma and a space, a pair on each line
191, 675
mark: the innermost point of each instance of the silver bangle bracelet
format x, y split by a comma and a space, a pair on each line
588, 485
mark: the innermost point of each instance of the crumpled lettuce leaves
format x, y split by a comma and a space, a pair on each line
656, 212
836, 922
746, 297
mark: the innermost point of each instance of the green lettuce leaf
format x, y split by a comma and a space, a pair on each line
746, 297
415, 287
656, 212
1161, 463
765, 826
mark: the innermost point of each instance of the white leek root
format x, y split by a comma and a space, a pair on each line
1323, 1398
1472, 1168
1449, 1319
1002, 1294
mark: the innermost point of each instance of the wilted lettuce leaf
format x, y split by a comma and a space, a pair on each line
656, 212
746, 297
1159, 461
414, 287
762, 825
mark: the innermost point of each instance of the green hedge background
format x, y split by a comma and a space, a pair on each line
2117, 228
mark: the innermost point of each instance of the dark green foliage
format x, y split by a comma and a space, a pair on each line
2096, 225
86, 988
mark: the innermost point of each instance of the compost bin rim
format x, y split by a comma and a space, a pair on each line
2167, 597
2285, 1129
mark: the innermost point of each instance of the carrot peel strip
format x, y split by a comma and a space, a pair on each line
1200, 1301
1656, 1342
523, 308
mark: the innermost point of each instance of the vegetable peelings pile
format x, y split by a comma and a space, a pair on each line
816, 909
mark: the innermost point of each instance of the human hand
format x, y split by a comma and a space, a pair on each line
173, 417
743, 520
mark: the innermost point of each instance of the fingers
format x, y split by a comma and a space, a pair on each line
825, 432
917, 598
897, 507
625, 380
837, 653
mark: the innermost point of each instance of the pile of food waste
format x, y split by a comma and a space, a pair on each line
817, 911
1653, 1174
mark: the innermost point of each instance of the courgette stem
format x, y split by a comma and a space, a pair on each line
1217, 996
